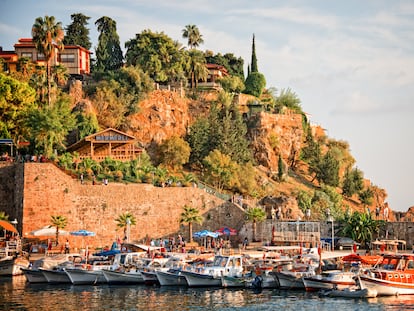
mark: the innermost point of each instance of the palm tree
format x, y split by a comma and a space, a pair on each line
192, 33
3, 216
197, 67
190, 215
48, 37
124, 221
59, 222
255, 214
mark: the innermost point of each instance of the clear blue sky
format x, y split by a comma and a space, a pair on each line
350, 62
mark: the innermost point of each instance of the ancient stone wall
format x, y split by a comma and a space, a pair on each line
49, 191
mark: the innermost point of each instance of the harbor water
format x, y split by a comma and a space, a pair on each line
17, 294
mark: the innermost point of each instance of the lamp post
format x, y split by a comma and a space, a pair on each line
331, 219
14, 222
128, 222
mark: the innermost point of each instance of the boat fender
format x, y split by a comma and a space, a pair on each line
257, 282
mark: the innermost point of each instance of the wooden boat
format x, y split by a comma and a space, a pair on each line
171, 277
394, 276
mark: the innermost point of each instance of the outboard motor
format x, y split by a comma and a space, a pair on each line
257, 282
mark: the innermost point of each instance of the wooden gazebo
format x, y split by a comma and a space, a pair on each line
107, 143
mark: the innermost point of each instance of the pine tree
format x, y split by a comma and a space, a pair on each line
108, 53
77, 33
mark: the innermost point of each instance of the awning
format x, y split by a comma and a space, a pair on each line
8, 226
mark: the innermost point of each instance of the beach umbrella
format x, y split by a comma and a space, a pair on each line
82, 232
47, 231
205, 233
226, 231
8, 226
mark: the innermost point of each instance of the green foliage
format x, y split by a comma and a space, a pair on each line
123, 220
59, 222
48, 36
158, 56
327, 170
48, 127
174, 152
3, 216
198, 140
246, 183
108, 53
16, 100
289, 99
192, 33
233, 64
232, 84
366, 196
196, 67
190, 215
280, 168
77, 33
253, 65
361, 226
220, 170
335, 206
304, 200
255, 84
353, 182
255, 215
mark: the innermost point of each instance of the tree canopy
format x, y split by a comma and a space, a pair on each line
77, 32
108, 53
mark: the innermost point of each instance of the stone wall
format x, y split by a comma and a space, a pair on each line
49, 191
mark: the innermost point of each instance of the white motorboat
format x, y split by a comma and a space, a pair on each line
10, 265
211, 275
34, 275
89, 273
130, 276
55, 275
329, 279
358, 291
291, 276
171, 277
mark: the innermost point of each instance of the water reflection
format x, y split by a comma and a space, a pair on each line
16, 294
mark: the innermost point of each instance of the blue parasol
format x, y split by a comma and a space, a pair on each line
205, 233
82, 233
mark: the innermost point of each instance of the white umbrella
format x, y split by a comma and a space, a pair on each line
47, 231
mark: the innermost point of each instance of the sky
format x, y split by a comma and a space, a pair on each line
351, 63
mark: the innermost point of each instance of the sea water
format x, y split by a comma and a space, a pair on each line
17, 294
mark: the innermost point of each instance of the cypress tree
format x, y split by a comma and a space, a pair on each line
254, 59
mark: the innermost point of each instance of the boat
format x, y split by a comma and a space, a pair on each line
55, 275
393, 276
10, 265
211, 275
34, 275
329, 279
130, 276
358, 291
90, 273
291, 277
11, 260
171, 277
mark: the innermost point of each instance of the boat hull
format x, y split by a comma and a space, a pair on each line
117, 277
167, 278
12, 266
387, 288
290, 280
338, 280
34, 276
85, 277
55, 276
195, 279
347, 293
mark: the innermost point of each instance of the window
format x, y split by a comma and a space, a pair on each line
27, 55
67, 58
41, 56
